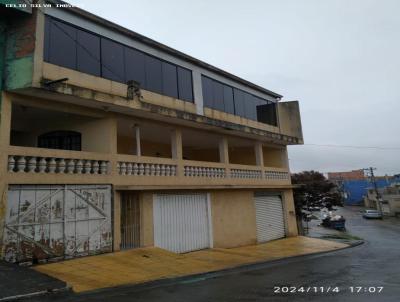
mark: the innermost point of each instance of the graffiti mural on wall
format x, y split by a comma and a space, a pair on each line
57, 222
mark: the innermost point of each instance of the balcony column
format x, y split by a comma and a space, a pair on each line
176, 149
224, 154
259, 154
137, 136
176, 144
258, 148
285, 158
223, 151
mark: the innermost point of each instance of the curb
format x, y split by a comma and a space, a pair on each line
356, 243
36, 294
211, 274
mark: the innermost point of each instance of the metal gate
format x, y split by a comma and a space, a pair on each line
62, 221
181, 222
269, 217
130, 220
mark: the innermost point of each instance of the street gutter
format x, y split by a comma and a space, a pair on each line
36, 294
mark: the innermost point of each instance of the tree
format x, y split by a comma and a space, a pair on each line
314, 190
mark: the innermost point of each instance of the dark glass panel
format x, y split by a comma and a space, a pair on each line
260, 105
62, 44
112, 57
250, 107
208, 95
267, 114
239, 102
88, 53
169, 80
229, 106
185, 84
135, 66
153, 74
218, 96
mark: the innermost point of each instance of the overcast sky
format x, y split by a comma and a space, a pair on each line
339, 58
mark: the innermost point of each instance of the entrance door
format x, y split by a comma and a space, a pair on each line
57, 221
130, 220
181, 222
269, 217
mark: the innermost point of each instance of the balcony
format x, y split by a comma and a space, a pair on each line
132, 153
28, 165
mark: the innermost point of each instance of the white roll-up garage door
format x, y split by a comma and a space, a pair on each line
269, 217
181, 222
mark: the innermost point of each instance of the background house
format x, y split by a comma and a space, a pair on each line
354, 185
389, 198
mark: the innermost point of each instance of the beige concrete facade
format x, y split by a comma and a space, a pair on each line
174, 153
233, 218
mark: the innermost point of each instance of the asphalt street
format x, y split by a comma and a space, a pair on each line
368, 272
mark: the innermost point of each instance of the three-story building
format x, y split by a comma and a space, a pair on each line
110, 140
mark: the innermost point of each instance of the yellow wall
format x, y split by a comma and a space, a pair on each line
232, 214
98, 135
127, 145
233, 218
289, 212
274, 157
210, 155
242, 155
146, 215
289, 119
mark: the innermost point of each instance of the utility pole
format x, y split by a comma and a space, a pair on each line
370, 170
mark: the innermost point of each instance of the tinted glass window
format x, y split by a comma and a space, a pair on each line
169, 80
259, 107
112, 56
239, 102
218, 96
62, 50
68, 46
153, 74
134, 66
266, 113
208, 95
229, 106
185, 84
250, 107
88, 53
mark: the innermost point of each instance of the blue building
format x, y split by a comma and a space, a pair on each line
354, 190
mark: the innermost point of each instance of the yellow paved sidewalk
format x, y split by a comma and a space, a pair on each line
146, 264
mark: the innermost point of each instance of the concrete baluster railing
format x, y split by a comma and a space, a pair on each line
53, 165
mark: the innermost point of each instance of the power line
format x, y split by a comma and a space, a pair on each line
354, 147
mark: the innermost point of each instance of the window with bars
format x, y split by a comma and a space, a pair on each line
62, 140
